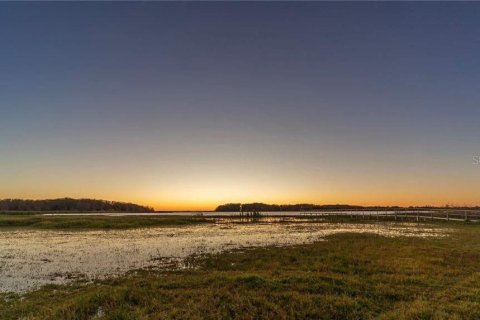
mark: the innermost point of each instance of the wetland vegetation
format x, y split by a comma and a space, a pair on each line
51, 222
349, 276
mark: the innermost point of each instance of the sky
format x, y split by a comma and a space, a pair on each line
187, 105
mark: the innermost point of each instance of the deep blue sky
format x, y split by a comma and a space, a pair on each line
186, 105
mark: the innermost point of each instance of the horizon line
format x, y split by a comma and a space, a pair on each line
158, 208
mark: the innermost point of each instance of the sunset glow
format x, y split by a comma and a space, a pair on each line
165, 105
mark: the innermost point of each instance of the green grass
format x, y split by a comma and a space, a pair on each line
350, 276
94, 222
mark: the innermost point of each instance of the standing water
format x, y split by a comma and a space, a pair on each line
31, 258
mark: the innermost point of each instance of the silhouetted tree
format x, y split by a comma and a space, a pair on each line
259, 207
71, 205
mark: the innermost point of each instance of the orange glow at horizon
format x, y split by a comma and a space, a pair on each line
206, 196
210, 203
196, 112
204, 184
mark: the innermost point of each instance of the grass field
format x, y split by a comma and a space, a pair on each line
350, 276
37, 221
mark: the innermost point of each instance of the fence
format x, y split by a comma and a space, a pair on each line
399, 215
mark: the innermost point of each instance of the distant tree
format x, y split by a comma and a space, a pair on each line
256, 206
71, 205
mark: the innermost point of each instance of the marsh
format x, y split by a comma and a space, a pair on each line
31, 257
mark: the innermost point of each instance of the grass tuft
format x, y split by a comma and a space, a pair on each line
347, 277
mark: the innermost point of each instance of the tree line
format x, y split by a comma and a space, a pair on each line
70, 205
257, 207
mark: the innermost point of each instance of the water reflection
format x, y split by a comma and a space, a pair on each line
31, 258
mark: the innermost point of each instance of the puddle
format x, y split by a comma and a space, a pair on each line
31, 258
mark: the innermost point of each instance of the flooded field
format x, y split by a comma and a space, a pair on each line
31, 258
